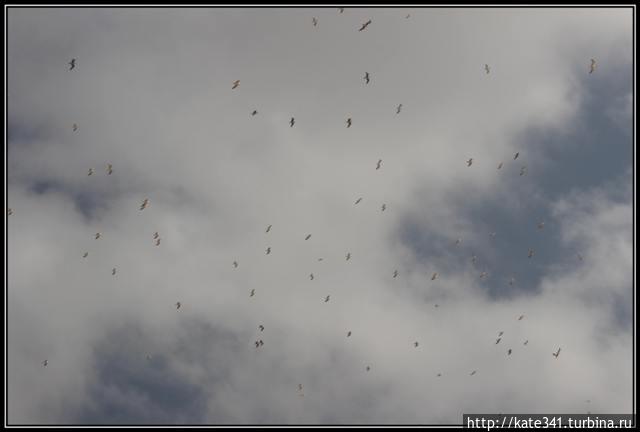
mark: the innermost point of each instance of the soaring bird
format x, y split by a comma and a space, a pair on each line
326, 299
500, 334
109, 169
395, 273
500, 165
434, 276
580, 257
292, 121
530, 254
368, 368
366, 77
349, 333
253, 292
299, 387
314, 20
523, 170
483, 274
349, 122
473, 373
260, 342
515, 156
541, 225
364, 26
268, 250
498, 341
178, 304
358, 200
113, 271
399, 109
415, 344
158, 242
348, 256
254, 112
261, 327
509, 351
235, 264
257, 343
308, 237
341, 10
9, 212
156, 235
520, 317
408, 15
526, 342
379, 164
90, 171
592, 68
474, 259
269, 228
458, 241
236, 83
439, 374
72, 63
311, 276
86, 254
384, 207
486, 68
97, 236
469, 162
144, 204
557, 353
75, 127
45, 363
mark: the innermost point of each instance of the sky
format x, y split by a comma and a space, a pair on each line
151, 93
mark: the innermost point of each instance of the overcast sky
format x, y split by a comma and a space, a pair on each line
151, 94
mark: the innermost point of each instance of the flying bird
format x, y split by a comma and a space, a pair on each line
580, 257
268, 250
557, 353
509, 351
308, 237
45, 363
253, 292
483, 274
358, 200
236, 83
399, 109
178, 304
520, 317
486, 68
365, 25
326, 299
348, 256
257, 343
86, 254
474, 259
260, 342
311, 276
592, 68
415, 344
315, 21
156, 235
300, 387
292, 121
9, 212
516, 156
501, 333
458, 241
349, 122
341, 10
97, 236
469, 162
144, 204
526, 342
473, 373
235, 264
109, 169
72, 63
434, 276
408, 15
500, 165
523, 170
498, 341
261, 327
366, 77
439, 374
395, 273
75, 127
349, 333
541, 225
384, 207
368, 368
530, 254
379, 164
113, 272
90, 171
254, 112
268, 228
158, 242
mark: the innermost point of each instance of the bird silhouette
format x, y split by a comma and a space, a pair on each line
308, 237
268, 250
473, 373
158, 242
109, 169
501, 333
368, 368
178, 304
268, 228
415, 344
326, 299
516, 156
348, 333
470, 162
541, 225
557, 353
530, 254
348, 256
144, 204
526, 342
72, 64
236, 83
498, 341
292, 121
253, 292
434, 276
45, 363
395, 273
486, 68
365, 25
235, 264
86, 254
90, 171
113, 271
349, 122
75, 127
156, 235
9, 212
97, 236
592, 68
341, 10
358, 201
520, 317
261, 327
399, 109
315, 21
366, 77
379, 164
384, 207
509, 351
254, 112
500, 165
311, 276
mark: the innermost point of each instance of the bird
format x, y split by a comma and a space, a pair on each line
349, 333
395, 273
379, 164
498, 341
469, 162
315, 21
520, 317
408, 15
158, 242
365, 25
299, 387
260, 342
109, 169
178, 304
436, 305
311, 276
439, 374
415, 344
458, 241
97, 235
326, 299
434, 276
515, 156
348, 256
483, 274
308, 237
341, 10
156, 235
75, 127
113, 272
592, 68
473, 373
349, 122
474, 259
384, 207
320, 259
500, 334
9, 212
530, 254
144, 204
368, 368
254, 112
236, 83
540, 225
292, 121
486, 68
557, 353
268, 228
257, 343
268, 250
580, 257
90, 171
399, 109
523, 170
366, 77
509, 351
148, 357
235, 264
261, 327
86, 254
500, 165
45, 363
72, 63
358, 200
526, 342
253, 292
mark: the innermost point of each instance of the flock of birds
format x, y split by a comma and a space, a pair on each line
367, 79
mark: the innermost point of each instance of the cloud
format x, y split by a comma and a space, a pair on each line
151, 94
